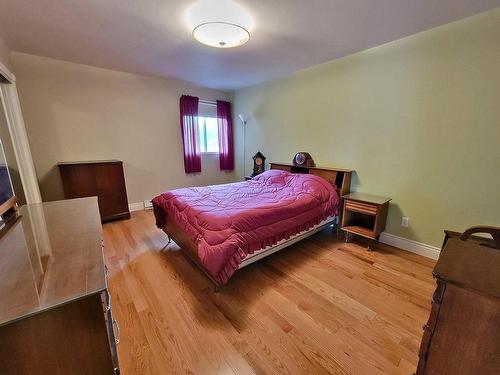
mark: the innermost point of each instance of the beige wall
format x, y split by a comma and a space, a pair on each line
418, 119
4, 53
78, 112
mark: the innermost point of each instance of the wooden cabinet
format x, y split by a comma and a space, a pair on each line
55, 310
103, 179
462, 335
364, 215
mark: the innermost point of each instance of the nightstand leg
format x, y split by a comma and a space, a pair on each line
348, 237
372, 244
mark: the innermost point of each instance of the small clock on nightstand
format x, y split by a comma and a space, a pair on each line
303, 159
258, 164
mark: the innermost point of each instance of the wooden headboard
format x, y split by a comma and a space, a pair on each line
336, 176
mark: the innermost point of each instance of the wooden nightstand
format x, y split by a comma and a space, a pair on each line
364, 215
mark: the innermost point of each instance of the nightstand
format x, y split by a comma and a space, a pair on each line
364, 215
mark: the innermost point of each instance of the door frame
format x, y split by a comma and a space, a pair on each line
17, 129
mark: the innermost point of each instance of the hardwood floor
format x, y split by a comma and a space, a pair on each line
321, 306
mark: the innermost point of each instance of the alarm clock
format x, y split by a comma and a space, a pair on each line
258, 163
303, 159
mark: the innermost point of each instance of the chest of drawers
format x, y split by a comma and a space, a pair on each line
462, 335
55, 309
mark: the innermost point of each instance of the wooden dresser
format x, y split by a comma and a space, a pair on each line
55, 310
102, 178
462, 336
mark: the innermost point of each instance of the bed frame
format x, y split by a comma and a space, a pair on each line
338, 176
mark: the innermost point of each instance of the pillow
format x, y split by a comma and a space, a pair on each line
272, 176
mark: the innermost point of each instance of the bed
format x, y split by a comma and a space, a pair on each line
223, 228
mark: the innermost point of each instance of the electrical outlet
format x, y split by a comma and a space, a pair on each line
405, 221
148, 204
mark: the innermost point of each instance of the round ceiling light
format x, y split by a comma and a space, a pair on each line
221, 34
219, 23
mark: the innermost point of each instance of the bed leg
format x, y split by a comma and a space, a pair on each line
168, 243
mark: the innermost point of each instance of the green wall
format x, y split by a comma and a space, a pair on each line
418, 119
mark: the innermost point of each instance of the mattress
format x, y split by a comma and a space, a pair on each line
230, 221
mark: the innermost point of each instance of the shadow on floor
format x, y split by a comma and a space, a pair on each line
248, 285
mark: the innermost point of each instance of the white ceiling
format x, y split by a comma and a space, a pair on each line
151, 36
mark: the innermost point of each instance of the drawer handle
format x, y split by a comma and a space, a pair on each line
116, 331
108, 305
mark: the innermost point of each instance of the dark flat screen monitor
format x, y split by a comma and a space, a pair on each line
6, 190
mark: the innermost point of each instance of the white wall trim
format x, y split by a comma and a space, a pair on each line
410, 245
139, 206
17, 130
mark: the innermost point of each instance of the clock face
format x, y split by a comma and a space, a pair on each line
258, 161
300, 158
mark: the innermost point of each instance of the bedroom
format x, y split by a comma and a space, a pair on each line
396, 100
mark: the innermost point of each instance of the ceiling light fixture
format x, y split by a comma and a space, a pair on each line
219, 23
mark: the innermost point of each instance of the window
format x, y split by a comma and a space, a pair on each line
208, 134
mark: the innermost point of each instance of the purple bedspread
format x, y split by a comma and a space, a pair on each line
229, 221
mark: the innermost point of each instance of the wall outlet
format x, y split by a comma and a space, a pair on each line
405, 221
148, 204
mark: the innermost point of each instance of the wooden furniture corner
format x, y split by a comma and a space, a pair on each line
9, 205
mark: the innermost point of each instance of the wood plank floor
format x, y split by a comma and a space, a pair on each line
319, 307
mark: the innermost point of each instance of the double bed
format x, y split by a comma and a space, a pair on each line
225, 227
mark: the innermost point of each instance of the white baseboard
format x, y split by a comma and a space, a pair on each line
410, 245
136, 206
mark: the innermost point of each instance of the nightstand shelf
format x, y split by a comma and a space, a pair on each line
360, 231
364, 215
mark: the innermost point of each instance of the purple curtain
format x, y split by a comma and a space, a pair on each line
225, 125
189, 126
